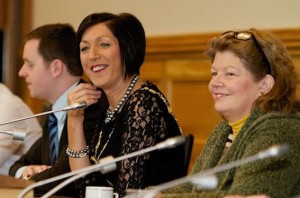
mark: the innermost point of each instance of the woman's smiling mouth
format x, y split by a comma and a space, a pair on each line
97, 68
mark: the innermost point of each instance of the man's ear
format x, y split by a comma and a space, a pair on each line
266, 84
56, 67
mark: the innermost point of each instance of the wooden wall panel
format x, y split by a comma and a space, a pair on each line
3, 13
296, 60
154, 71
189, 96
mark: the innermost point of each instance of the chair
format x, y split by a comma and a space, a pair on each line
188, 147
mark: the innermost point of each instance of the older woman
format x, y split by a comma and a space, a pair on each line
112, 50
253, 85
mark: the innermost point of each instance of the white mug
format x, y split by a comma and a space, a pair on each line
100, 192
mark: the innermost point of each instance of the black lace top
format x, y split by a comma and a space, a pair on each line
144, 120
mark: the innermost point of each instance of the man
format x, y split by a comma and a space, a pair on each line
12, 107
51, 69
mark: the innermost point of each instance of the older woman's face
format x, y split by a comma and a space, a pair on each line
232, 86
100, 56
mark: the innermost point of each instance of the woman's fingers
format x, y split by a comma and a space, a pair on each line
84, 92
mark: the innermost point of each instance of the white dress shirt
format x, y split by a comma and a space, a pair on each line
11, 108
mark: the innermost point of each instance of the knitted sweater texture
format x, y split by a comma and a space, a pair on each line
276, 177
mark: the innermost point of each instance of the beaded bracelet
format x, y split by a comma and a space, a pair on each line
78, 154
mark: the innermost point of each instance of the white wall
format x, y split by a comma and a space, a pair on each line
171, 17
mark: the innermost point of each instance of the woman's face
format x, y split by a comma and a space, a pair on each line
232, 86
100, 56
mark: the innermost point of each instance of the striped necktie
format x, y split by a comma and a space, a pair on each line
52, 126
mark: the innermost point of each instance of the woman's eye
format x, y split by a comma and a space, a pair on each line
230, 74
213, 73
83, 49
104, 45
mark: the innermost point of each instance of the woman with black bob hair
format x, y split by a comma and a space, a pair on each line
112, 50
130, 34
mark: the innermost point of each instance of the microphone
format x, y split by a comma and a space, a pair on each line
17, 134
75, 106
103, 165
197, 178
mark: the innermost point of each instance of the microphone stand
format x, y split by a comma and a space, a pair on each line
169, 143
17, 134
273, 151
74, 106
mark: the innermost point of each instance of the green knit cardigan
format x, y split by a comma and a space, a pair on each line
276, 177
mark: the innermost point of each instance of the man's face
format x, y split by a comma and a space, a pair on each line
36, 71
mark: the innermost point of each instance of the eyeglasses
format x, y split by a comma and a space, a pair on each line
245, 36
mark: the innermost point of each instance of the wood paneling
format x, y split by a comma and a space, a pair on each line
3, 13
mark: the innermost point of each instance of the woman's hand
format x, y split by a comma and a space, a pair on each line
77, 142
83, 92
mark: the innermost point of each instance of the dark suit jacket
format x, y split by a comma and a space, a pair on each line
38, 154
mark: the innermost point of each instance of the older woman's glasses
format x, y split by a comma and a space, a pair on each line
244, 36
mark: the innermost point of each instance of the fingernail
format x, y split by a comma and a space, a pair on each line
26, 177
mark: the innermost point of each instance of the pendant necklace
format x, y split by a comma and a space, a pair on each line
110, 116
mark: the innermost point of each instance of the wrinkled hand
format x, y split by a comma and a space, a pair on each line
32, 170
83, 92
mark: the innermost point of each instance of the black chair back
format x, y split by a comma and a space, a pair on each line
188, 147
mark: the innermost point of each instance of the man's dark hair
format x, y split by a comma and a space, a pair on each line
57, 41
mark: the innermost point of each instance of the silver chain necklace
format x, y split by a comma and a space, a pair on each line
110, 114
